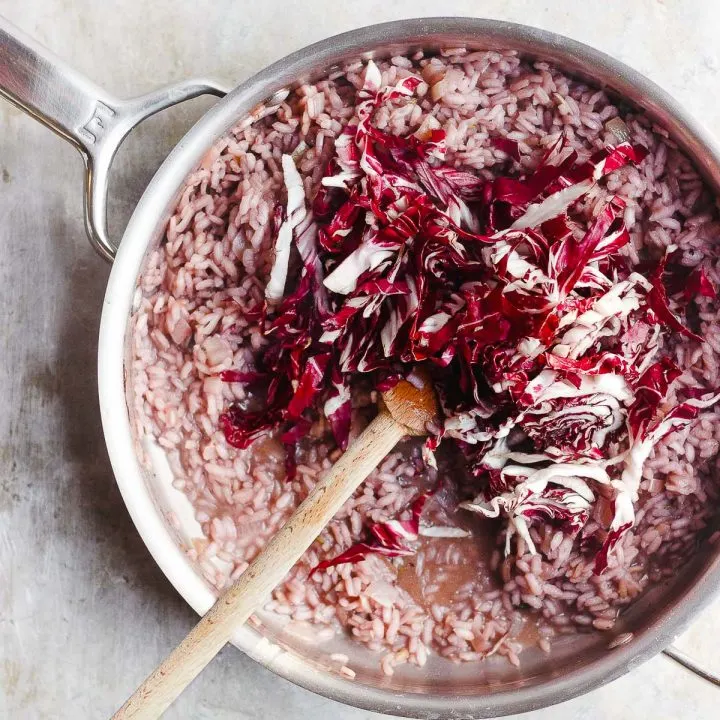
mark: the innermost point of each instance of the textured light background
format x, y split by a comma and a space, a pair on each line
84, 611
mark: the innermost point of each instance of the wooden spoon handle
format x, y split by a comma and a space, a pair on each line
275, 560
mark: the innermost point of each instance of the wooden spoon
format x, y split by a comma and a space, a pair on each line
406, 410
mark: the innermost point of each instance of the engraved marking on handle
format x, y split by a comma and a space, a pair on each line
94, 127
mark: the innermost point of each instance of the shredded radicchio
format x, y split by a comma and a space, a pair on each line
543, 342
391, 539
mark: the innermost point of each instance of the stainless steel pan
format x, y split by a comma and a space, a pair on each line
96, 124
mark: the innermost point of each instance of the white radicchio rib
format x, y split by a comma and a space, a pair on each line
295, 213
554, 493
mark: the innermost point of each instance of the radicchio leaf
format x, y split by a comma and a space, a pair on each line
338, 408
699, 285
508, 146
389, 538
532, 499
659, 303
543, 340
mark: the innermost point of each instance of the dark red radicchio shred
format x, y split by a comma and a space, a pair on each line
685, 282
508, 146
650, 392
541, 339
389, 539
698, 285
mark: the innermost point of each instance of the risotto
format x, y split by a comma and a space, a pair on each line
546, 252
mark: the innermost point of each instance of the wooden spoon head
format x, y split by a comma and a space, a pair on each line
413, 404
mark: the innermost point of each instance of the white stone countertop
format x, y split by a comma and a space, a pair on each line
84, 610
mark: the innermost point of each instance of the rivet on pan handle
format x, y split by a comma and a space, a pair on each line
95, 122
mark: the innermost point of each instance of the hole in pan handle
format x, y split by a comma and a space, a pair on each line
95, 122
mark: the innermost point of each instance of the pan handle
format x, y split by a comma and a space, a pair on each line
690, 664
96, 123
